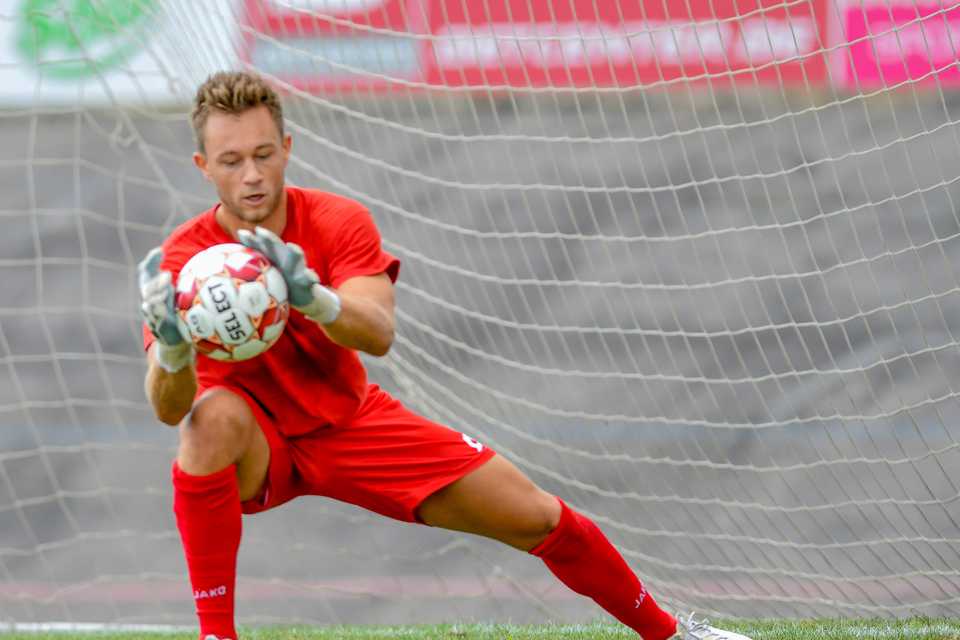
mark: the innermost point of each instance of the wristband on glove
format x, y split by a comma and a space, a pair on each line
173, 359
325, 307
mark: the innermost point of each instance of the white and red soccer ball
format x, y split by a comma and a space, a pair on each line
232, 302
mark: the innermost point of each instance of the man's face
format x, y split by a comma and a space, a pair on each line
245, 159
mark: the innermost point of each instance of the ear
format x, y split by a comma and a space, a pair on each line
286, 145
200, 160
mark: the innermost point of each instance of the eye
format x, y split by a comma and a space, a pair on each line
230, 163
264, 156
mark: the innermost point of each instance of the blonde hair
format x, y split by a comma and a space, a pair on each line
233, 92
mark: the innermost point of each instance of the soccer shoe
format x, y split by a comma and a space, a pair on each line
690, 628
215, 638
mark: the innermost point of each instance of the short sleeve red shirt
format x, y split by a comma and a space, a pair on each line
305, 380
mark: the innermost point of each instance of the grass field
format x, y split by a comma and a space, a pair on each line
912, 629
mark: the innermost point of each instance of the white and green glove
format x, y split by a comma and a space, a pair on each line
174, 351
306, 294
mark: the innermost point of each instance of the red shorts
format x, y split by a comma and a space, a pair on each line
386, 459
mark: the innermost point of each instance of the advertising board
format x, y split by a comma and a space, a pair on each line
587, 43
334, 45
389, 44
890, 44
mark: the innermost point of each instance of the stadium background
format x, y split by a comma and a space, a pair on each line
766, 423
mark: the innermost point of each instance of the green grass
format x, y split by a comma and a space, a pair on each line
912, 629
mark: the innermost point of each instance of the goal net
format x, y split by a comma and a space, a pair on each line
692, 266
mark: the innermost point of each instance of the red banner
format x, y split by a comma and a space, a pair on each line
587, 43
336, 45
344, 44
903, 42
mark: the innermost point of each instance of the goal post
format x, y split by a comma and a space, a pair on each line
692, 266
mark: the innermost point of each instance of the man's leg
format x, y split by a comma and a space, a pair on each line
498, 501
222, 459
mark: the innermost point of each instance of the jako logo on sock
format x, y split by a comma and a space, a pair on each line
641, 597
216, 592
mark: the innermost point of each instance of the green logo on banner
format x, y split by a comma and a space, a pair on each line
81, 38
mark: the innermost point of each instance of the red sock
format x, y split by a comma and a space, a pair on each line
208, 516
580, 555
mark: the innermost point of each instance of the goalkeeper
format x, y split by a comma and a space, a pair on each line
301, 419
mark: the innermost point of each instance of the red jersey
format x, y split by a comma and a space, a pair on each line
305, 380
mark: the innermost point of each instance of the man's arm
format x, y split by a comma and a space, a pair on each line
171, 380
366, 318
170, 394
358, 316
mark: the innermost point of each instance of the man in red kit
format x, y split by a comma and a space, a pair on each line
301, 419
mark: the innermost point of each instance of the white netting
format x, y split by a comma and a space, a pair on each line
716, 312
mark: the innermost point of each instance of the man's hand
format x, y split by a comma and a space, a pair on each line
174, 350
306, 294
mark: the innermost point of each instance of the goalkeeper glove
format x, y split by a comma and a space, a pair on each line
174, 351
306, 294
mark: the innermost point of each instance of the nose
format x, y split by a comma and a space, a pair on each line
251, 173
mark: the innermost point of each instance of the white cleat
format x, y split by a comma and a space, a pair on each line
215, 638
690, 628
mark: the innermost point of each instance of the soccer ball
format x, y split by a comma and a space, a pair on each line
232, 302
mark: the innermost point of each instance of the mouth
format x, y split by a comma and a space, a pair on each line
254, 199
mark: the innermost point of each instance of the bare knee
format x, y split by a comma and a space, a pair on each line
544, 516
216, 433
497, 501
